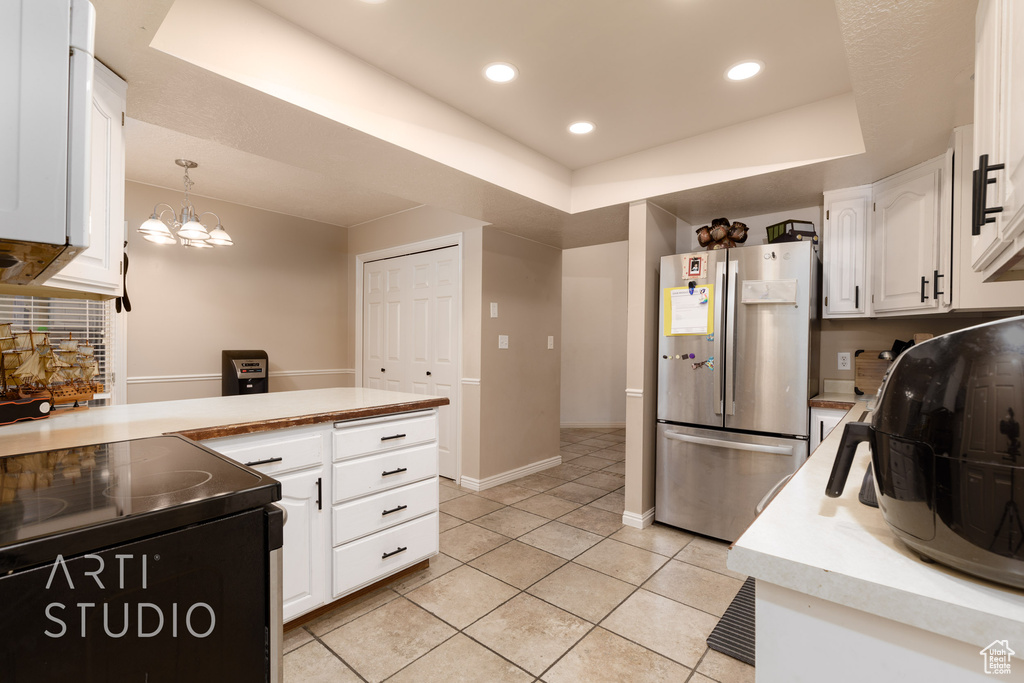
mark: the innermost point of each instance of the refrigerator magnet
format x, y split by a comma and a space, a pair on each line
697, 266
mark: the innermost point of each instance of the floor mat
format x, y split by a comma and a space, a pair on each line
734, 635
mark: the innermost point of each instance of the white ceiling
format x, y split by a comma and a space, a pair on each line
649, 74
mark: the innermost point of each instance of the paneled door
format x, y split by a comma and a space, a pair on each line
411, 334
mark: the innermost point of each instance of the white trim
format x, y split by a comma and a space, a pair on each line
634, 393
592, 425
471, 381
215, 376
631, 519
505, 477
453, 240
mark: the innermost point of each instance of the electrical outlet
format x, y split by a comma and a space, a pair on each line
844, 360
502, 341
551, 341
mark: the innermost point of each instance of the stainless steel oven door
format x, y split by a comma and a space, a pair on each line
713, 482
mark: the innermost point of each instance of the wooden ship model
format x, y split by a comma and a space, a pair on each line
36, 376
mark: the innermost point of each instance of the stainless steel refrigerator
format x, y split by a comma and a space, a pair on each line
737, 362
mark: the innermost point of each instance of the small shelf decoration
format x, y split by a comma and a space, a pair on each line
722, 234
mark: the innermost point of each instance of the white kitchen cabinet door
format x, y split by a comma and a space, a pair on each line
823, 421
844, 245
98, 268
999, 130
411, 334
907, 226
304, 576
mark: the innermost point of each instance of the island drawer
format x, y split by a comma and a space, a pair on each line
371, 558
380, 511
275, 452
370, 474
365, 437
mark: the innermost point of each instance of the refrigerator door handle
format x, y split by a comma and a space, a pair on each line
770, 496
734, 445
730, 360
720, 270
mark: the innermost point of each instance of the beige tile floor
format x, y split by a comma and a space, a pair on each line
538, 580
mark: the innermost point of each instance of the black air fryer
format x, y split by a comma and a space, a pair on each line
946, 450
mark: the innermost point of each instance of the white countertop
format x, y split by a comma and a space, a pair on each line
140, 420
840, 550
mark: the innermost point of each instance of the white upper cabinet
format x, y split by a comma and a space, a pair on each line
844, 246
98, 269
998, 219
910, 236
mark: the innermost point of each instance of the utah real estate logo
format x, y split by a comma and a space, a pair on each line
997, 657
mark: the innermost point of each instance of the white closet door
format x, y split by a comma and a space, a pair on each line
411, 334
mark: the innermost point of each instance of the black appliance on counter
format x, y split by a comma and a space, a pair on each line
151, 560
946, 450
244, 372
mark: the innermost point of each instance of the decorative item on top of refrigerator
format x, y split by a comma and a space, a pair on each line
735, 370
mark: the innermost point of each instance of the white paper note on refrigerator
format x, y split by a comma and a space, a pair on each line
688, 312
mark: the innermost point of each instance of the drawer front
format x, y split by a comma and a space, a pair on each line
374, 513
374, 436
389, 470
273, 454
372, 558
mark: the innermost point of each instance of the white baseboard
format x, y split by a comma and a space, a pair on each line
505, 477
592, 425
638, 521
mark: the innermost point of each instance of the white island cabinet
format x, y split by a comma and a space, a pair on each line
840, 599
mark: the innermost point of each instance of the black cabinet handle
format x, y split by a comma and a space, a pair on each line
821, 431
319, 494
397, 470
393, 436
383, 370
924, 283
856, 296
935, 284
979, 195
401, 549
428, 373
393, 510
263, 462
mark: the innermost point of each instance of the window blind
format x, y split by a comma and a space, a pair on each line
84, 319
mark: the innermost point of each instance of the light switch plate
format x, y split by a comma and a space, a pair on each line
494, 309
502, 341
551, 341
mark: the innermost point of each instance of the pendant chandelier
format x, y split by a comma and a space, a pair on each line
167, 227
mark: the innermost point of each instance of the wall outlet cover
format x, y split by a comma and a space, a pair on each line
494, 309
844, 360
551, 341
502, 341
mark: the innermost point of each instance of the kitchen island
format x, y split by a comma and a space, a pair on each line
341, 456
839, 598
207, 418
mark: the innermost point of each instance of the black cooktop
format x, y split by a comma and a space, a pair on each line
76, 500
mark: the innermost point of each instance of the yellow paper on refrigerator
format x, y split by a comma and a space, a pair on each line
689, 311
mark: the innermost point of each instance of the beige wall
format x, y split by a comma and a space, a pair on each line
417, 225
519, 386
852, 334
593, 344
652, 234
281, 288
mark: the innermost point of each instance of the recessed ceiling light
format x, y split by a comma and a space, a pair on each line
744, 70
500, 72
581, 127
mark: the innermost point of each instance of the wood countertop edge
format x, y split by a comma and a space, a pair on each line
204, 433
836, 405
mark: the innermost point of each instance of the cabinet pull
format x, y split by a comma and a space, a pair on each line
979, 195
393, 510
821, 431
393, 436
263, 462
401, 549
924, 284
319, 493
397, 470
856, 296
935, 284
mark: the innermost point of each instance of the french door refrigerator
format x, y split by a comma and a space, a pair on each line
737, 362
